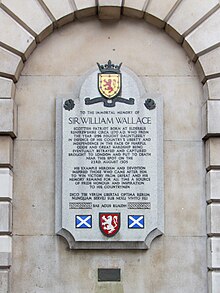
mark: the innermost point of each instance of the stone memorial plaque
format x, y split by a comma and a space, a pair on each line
109, 170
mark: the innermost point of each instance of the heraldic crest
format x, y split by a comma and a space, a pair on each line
109, 86
109, 223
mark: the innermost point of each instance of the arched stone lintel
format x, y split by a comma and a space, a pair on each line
15, 38
134, 9
60, 12
11, 65
108, 10
85, 8
39, 25
196, 15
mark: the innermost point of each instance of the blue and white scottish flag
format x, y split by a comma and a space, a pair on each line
136, 222
84, 221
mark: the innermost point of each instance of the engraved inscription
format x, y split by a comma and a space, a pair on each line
109, 179
112, 158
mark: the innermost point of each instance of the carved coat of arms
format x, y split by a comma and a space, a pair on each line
109, 86
109, 223
109, 80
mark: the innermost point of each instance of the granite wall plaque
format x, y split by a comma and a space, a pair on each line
109, 162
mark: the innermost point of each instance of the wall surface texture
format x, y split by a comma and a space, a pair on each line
184, 70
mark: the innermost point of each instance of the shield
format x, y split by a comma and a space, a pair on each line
109, 84
109, 223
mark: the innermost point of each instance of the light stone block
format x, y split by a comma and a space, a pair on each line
212, 89
139, 5
134, 8
132, 12
213, 253
213, 186
213, 219
214, 282
194, 12
184, 269
33, 18
183, 96
15, 38
8, 114
109, 13
4, 281
85, 8
204, 37
208, 65
109, 3
6, 183
33, 188
158, 12
5, 251
212, 153
7, 88
62, 10
30, 127
5, 216
84, 4
6, 151
140, 54
109, 10
185, 256
10, 64
185, 206
211, 121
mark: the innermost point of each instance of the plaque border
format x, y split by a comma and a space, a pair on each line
102, 243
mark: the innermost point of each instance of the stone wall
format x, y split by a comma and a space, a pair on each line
164, 68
